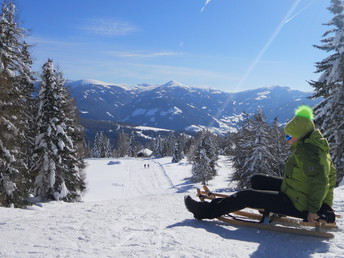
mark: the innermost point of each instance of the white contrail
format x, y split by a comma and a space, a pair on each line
261, 53
268, 43
301, 11
206, 3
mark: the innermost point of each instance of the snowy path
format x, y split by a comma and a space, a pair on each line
125, 178
120, 219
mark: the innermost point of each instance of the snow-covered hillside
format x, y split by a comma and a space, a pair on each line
177, 106
133, 211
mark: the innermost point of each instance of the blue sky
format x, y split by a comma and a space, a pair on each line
232, 45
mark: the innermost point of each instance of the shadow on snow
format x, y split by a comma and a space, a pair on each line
271, 244
185, 187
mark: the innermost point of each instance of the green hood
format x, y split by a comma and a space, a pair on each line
317, 139
302, 122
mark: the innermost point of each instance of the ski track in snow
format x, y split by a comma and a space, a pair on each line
130, 211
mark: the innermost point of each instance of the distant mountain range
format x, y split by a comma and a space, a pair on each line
177, 106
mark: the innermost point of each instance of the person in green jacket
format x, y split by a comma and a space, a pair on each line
305, 191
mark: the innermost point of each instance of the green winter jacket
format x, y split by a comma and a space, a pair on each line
310, 176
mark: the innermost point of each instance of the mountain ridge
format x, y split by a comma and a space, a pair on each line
177, 106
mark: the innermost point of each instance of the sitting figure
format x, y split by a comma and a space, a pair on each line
305, 191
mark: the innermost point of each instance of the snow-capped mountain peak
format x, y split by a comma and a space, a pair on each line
88, 82
176, 106
174, 83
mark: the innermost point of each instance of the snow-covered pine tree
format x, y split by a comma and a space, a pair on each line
73, 154
240, 150
228, 143
97, 145
279, 148
101, 147
25, 116
11, 43
158, 150
132, 149
10, 163
261, 157
329, 114
189, 145
56, 165
252, 150
121, 144
169, 144
24, 82
87, 147
178, 154
204, 160
107, 147
15, 109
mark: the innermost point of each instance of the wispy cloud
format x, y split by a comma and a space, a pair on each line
184, 74
47, 41
79, 60
108, 27
132, 73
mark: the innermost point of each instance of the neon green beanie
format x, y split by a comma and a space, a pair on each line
302, 122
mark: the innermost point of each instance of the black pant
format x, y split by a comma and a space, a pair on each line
265, 194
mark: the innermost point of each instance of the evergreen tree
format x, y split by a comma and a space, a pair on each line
87, 147
229, 143
107, 148
252, 153
169, 144
178, 154
28, 110
56, 164
121, 144
73, 154
329, 114
158, 150
15, 109
132, 149
10, 165
189, 143
239, 151
12, 45
101, 146
97, 145
204, 160
279, 148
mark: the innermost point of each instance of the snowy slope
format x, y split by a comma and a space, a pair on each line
132, 211
177, 106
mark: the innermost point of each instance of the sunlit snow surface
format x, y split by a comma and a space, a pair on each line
132, 211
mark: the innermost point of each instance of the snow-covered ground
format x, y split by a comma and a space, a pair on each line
132, 211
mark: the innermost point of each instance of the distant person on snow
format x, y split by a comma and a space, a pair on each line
306, 191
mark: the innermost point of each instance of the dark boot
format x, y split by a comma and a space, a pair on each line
200, 210
327, 213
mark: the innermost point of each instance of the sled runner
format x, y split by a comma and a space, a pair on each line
273, 222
